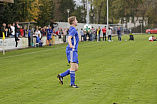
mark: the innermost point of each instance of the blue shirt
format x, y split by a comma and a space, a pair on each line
118, 31
29, 33
49, 32
74, 40
38, 40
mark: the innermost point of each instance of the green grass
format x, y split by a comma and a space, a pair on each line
109, 72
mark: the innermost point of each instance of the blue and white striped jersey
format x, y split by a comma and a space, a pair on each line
74, 40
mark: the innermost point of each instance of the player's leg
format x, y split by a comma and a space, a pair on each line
76, 67
67, 72
72, 74
73, 69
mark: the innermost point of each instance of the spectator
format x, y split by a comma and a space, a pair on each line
29, 36
67, 31
109, 34
3, 29
13, 30
25, 31
119, 34
21, 32
9, 30
64, 35
96, 32
82, 34
54, 33
49, 34
57, 32
39, 41
85, 35
99, 31
152, 38
104, 33
60, 33
37, 32
43, 32
17, 33
93, 33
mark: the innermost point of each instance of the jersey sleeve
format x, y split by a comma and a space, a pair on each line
72, 32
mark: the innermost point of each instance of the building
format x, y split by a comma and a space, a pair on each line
133, 22
4, 1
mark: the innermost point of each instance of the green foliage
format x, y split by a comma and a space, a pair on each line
60, 9
78, 13
46, 12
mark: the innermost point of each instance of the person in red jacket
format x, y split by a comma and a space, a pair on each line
21, 31
104, 33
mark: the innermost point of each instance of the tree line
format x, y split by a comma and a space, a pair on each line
42, 11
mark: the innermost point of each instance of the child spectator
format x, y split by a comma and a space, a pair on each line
39, 41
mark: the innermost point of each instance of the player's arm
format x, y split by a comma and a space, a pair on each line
69, 41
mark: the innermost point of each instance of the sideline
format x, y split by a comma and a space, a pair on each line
40, 51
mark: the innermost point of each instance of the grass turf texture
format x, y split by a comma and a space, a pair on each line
109, 72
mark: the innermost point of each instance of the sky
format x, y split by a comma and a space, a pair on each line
78, 2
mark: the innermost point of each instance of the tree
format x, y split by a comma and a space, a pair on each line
60, 9
45, 13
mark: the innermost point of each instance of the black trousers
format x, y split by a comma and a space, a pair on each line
16, 40
29, 41
104, 36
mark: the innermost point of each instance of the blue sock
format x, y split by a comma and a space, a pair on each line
72, 76
65, 73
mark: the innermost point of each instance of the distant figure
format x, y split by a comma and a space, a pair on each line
109, 32
17, 31
29, 36
9, 30
152, 38
99, 31
119, 34
39, 41
82, 34
104, 33
13, 30
3, 29
49, 34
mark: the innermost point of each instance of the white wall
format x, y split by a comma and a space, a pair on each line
136, 21
9, 43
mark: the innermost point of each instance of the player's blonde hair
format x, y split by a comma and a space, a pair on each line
71, 19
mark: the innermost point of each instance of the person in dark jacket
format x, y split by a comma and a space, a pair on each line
119, 34
3, 29
17, 31
9, 30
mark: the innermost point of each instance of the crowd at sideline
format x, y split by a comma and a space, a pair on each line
94, 34
16, 31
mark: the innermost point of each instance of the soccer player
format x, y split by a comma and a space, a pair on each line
49, 34
71, 52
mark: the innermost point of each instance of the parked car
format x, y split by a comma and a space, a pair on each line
151, 31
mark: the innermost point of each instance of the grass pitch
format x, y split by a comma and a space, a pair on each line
122, 72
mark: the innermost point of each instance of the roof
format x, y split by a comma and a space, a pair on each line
7, 1
31, 22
